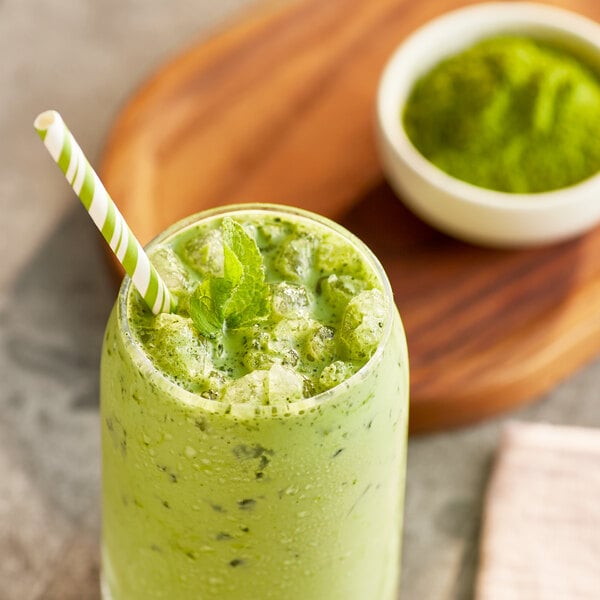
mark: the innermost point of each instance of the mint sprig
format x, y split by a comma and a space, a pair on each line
241, 295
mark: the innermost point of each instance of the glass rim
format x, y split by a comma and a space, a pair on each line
247, 409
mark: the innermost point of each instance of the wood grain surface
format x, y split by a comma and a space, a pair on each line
280, 108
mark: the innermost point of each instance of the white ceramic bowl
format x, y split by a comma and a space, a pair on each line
458, 208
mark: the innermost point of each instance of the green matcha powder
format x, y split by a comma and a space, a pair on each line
511, 114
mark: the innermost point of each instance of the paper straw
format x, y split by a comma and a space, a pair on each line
87, 185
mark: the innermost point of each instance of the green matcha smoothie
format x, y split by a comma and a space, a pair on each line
254, 441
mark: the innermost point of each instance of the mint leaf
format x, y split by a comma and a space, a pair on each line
241, 295
250, 297
203, 312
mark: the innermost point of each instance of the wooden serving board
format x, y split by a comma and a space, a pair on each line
279, 107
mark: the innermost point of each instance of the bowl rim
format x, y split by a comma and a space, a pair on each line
498, 17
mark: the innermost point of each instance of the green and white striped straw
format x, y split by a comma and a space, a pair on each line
93, 195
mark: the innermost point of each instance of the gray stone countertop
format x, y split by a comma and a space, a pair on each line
85, 58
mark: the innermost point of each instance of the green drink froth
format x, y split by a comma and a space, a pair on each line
236, 468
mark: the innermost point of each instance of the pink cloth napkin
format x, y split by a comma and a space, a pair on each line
541, 529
